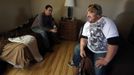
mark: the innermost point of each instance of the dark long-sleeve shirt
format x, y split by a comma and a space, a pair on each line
43, 22
48, 21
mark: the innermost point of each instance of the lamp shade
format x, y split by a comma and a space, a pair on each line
69, 3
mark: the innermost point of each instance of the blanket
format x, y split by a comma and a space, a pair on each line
16, 54
31, 42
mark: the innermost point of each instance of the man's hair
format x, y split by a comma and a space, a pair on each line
48, 6
95, 8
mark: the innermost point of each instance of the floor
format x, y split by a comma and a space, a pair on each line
55, 63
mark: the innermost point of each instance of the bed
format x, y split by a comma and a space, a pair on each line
18, 47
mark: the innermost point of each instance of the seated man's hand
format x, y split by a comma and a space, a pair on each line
100, 62
53, 30
82, 53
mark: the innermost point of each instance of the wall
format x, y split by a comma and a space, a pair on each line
125, 19
110, 7
16, 12
39, 5
13, 13
121, 11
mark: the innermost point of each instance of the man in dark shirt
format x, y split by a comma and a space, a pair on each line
45, 25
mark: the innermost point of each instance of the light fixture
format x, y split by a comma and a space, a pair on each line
69, 4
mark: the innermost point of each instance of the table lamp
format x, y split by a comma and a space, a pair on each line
69, 4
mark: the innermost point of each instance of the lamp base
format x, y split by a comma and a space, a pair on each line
70, 13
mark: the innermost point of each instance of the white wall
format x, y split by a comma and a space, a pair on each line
13, 13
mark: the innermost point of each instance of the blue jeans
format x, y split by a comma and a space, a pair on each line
76, 55
93, 56
44, 36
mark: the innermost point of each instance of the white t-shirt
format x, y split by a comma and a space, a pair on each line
98, 33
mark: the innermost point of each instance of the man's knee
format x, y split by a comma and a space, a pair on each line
77, 49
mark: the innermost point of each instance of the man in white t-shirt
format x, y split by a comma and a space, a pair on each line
99, 39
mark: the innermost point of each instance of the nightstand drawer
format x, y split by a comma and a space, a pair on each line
69, 30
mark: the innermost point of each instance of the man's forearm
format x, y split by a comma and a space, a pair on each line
112, 49
83, 43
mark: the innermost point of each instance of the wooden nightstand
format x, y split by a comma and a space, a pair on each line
69, 29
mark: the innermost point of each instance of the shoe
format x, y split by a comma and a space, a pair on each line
71, 64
